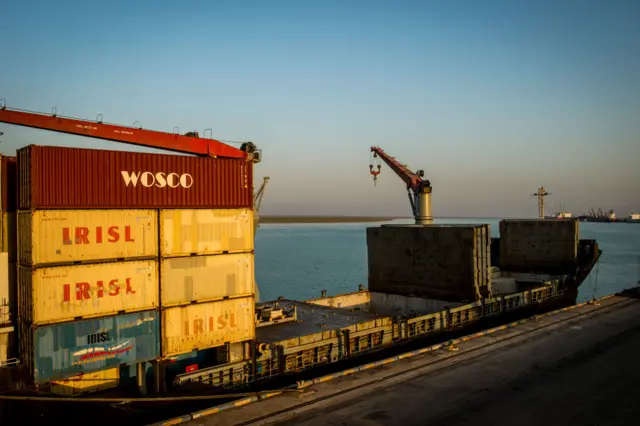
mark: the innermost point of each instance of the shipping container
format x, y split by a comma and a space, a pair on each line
539, 245
84, 383
65, 293
6, 340
5, 291
10, 235
8, 184
70, 236
201, 278
442, 262
77, 178
207, 325
211, 231
60, 351
13, 290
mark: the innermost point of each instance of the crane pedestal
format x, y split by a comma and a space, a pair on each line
423, 207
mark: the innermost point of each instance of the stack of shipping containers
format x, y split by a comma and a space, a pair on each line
92, 275
8, 255
87, 275
207, 286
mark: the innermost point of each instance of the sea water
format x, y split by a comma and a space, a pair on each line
298, 261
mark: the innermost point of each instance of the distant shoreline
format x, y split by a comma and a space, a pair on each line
324, 219
348, 219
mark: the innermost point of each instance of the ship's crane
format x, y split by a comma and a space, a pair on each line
541, 194
257, 201
189, 143
418, 189
257, 198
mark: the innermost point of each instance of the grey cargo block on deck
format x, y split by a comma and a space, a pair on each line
444, 262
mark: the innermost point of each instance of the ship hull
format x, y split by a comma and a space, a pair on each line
366, 339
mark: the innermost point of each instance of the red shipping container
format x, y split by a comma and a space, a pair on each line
77, 178
9, 184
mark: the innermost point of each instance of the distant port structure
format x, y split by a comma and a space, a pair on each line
592, 216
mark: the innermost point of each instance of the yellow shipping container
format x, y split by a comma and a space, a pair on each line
61, 293
4, 280
201, 278
64, 236
84, 383
10, 235
6, 342
8, 286
207, 325
186, 232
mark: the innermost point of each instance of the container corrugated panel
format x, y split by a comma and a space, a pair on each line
85, 383
5, 339
443, 262
211, 231
5, 315
201, 278
65, 293
69, 236
76, 178
10, 235
207, 325
8, 184
539, 245
59, 351
13, 290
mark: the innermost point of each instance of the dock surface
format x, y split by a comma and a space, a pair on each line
578, 366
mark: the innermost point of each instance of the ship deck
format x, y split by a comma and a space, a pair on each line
311, 319
574, 366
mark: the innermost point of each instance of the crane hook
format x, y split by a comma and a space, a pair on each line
375, 173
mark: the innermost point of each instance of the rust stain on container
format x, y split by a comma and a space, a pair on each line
76, 178
62, 293
207, 325
63, 236
200, 278
210, 231
8, 184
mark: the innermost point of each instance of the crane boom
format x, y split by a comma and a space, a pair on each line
419, 190
413, 180
259, 194
185, 144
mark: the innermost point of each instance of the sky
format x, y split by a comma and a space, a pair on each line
492, 99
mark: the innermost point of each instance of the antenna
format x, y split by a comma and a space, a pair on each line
541, 194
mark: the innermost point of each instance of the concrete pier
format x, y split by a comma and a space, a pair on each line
577, 366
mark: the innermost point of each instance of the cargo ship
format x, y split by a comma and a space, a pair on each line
134, 272
609, 218
600, 216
